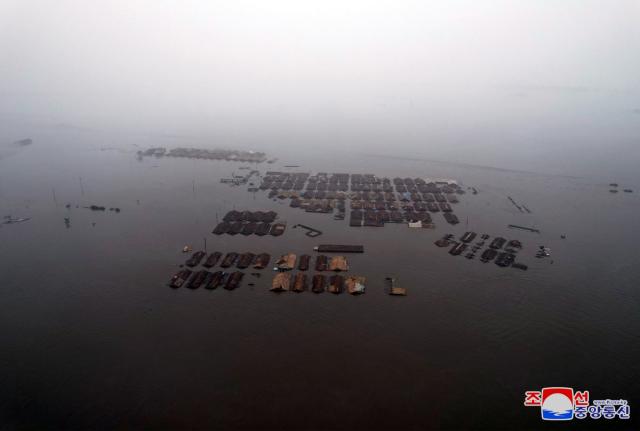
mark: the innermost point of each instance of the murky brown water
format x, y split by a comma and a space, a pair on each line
91, 336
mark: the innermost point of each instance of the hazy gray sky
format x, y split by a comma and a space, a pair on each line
184, 65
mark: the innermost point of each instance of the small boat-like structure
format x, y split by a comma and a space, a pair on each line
262, 260
212, 260
229, 260
195, 258
317, 285
336, 284
321, 262
518, 265
281, 282
180, 278
303, 262
233, 282
300, 282
244, 260
355, 284
286, 262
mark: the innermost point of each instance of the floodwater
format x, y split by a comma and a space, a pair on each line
91, 336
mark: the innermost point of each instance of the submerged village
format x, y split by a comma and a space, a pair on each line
358, 200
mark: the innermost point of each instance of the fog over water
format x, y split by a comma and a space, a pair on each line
536, 104
532, 85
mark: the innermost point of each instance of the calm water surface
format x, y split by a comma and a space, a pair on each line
92, 337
